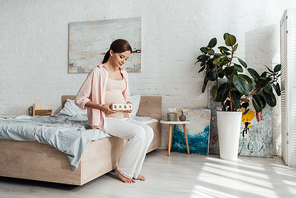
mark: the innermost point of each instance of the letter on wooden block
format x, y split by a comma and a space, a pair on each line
121, 107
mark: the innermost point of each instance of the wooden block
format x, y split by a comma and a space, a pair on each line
121, 107
127, 107
113, 106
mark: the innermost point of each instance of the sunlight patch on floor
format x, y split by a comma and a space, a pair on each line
249, 170
238, 163
204, 192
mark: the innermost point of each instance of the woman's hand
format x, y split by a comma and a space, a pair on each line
106, 108
103, 107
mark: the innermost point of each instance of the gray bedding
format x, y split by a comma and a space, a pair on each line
69, 134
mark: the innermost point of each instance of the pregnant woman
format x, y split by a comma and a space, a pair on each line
108, 84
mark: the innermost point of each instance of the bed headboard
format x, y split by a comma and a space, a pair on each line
150, 106
65, 97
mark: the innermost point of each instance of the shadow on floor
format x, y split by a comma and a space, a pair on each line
37, 183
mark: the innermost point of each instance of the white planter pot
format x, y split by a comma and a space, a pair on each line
229, 123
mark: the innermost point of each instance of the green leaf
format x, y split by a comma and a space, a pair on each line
242, 62
225, 35
199, 57
229, 70
266, 79
258, 102
204, 88
205, 84
223, 48
212, 43
268, 88
277, 68
235, 96
224, 61
222, 92
201, 69
211, 51
238, 68
264, 74
248, 79
277, 88
235, 48
230, 40
216, 61
210, 75
269, 98
269, 69
204, 49
214, 92
273, 100
254, 74
225, 52
221, 73
203, 58
241, 85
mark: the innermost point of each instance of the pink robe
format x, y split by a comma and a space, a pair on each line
94, 89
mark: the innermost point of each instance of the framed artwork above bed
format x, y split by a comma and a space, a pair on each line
90, 40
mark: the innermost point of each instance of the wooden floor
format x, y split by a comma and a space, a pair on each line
178, 175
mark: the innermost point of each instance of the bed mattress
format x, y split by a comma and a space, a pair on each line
69, 134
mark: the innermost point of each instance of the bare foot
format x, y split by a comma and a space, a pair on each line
122, 178
141, 177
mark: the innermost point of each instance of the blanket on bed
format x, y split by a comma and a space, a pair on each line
69, 134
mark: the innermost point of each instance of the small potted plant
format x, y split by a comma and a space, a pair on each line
182, 117
233, 89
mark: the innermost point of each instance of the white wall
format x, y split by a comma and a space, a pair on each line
34, 44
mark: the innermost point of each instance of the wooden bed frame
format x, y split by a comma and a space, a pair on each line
36, 161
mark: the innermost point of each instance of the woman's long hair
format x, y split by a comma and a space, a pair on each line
118, 46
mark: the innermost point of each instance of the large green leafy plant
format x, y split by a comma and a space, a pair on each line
233, 92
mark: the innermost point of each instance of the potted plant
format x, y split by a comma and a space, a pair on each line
234, 89
182, 117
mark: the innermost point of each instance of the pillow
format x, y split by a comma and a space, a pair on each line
70, 108
136, 102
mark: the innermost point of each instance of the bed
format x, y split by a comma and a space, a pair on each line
37, 161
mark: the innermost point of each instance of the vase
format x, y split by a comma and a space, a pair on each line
229, 123
182, 117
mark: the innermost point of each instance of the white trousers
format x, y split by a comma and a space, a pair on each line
138, 136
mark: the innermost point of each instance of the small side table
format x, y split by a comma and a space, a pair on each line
171, 127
